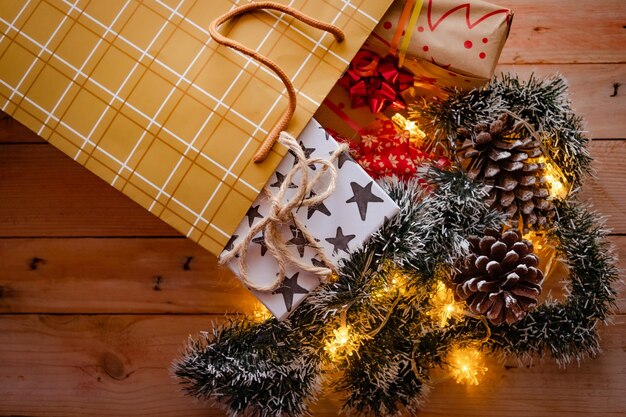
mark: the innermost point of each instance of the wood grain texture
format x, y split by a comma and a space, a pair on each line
116, 276
552, 31
122, 304
606, 190
12, 131
45, 193
142, 276
77, 365
591, 89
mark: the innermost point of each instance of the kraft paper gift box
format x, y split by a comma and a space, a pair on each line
342, 223
452, 44
138, 93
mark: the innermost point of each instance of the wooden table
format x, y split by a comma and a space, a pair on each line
97, 296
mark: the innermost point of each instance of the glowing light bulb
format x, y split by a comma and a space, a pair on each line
342, 335
260, 313
444, 306
343, 343
555, 180
392, 287
535, 239
416, 135
467, 365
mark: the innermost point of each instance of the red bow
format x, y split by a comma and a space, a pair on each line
375, 82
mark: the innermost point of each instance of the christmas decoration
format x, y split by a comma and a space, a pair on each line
444, 43
130, 122
506, 157
385, 150
499, 278
467, 365
543, 107
375, 82
320, 207
445, 282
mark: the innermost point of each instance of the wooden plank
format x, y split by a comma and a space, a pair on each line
116, 276
595, 388
12, 131
45, 193
129, 276
559, 31
120, 365
607, 189
591, 90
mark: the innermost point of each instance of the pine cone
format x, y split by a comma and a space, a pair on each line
499, 277
503, 156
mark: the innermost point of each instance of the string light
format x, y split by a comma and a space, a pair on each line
260, 313
416, 135
467, 365
535, 239
545, 249
343, 341
444, 306
392, 287
555, 180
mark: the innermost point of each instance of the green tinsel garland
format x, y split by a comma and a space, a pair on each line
276, 368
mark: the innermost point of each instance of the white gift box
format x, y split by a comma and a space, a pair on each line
340, 224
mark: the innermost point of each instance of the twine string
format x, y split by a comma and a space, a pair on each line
281, 212
281, 125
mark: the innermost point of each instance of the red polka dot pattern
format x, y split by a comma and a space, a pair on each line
468, 44
387, 25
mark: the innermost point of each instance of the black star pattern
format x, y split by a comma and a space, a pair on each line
326, 134
362, 196
316, 262
307, 155
298, 240
288, 288
231, 243
253, 213
260, 240
280, 178
321, 207
343, 158
340, 241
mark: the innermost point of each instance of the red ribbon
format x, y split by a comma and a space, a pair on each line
375, 82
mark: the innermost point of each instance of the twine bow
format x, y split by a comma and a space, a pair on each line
269, 141
281, 212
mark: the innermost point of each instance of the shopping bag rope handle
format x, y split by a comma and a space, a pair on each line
281, 125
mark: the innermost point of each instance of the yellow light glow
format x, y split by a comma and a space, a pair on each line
555, 180
392, 287
260, 313
444, 306
343, 343
467, 365
342, 335
535, 239
416, 135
